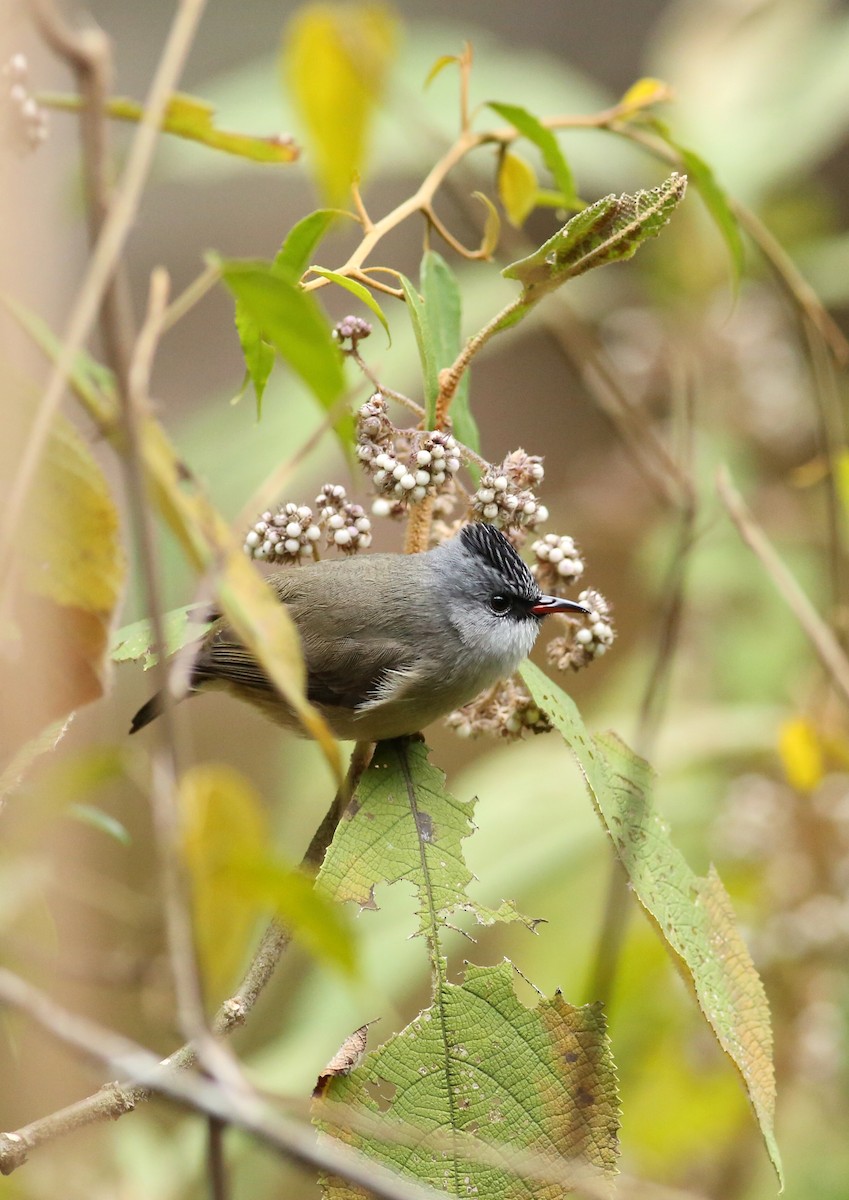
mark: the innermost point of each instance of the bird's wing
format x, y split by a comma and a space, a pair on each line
343, 673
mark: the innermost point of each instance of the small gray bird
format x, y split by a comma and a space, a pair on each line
390, 641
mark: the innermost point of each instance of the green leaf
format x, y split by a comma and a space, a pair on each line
259, 356
309, 916
517, 187
403, 824
291, 320
424, 342
356, 289
299, 245
182, 625
191, 118
611, 230
481, 1096
693, 914
102, 821
716, 202
336, 60
552, 155
442, 302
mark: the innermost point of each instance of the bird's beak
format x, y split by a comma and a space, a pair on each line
555, 604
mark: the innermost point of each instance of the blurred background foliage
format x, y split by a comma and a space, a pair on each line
751, 748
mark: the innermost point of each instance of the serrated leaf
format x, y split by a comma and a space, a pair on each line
192, 118
442, 301
299, 245
693, 915
611, 230
356, 289
336, 59
424, 343
291, 321
478, 1072
801, 754
258, 354
404, 824
222, 821
643, 94
102, 821
517, 187
181, 625
552, 154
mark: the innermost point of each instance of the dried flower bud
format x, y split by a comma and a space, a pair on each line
351, 329
507, 710
558, 563
590, 635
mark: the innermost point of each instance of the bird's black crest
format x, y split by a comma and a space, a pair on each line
492, 546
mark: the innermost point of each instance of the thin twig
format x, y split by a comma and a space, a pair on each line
216, 1166
113, 235
825, 644
190, 296
245, 1110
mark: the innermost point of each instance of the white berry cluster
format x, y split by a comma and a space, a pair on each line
293, 532
590, 634
405, 465
504, 497
558, 563
27, 119
506, 711
347, 527
284, 536
351, 330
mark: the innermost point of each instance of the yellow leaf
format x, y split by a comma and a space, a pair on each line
491, 228
517, 187
643, 94
335, 61
222, 821
71, 576
801, 754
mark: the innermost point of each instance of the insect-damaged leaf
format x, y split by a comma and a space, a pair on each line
181, 626
610, 230
480, 1096
404, 824
693, 914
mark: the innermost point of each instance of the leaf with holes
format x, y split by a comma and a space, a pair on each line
481, 1096
611, 230
403, 824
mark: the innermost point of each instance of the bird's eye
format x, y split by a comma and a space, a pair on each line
500, 605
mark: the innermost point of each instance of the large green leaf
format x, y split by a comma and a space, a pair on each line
404, 824
693, 914
480, 1096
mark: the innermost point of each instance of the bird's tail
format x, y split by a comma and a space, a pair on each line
147, 713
